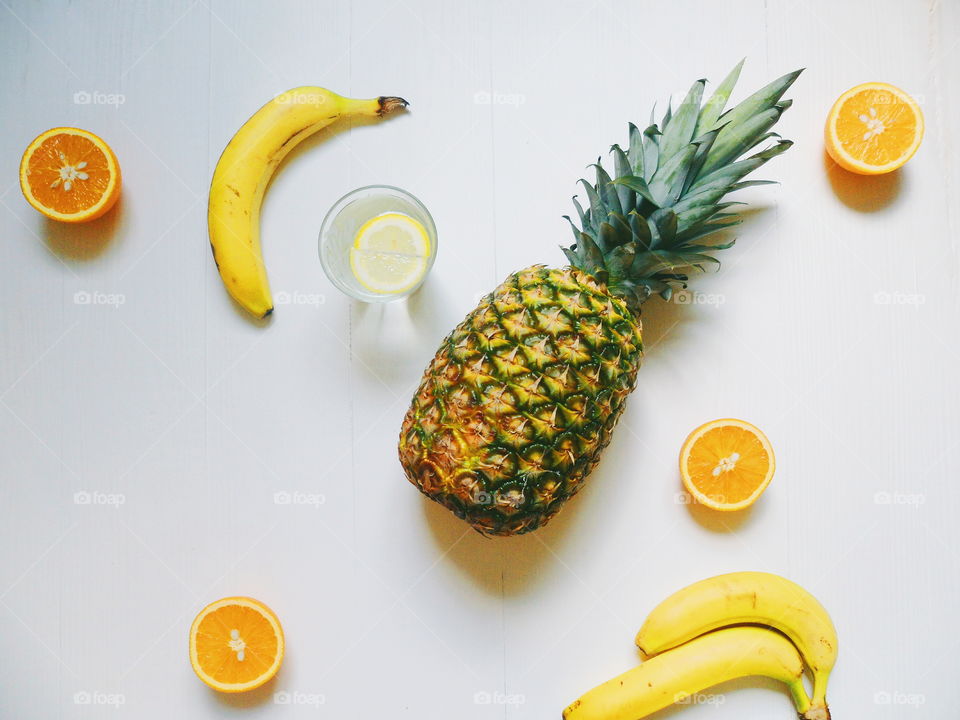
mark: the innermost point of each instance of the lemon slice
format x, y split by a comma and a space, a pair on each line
390, 253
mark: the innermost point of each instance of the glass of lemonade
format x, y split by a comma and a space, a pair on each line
377, 243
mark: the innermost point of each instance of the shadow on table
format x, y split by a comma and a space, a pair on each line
720, 522
83, 241
506, 565
414, 323
863, 193
250, 698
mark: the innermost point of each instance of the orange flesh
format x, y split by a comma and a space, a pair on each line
729, 486
215, 654
867, 111
48, 186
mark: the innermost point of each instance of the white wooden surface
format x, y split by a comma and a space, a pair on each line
834, 328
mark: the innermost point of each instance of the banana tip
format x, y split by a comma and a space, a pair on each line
819, 712
391, 104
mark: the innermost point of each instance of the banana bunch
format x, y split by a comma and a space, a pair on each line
718, 630
245, 169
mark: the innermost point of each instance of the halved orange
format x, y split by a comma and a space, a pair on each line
70, 175
236, 644
726, 464
873, 128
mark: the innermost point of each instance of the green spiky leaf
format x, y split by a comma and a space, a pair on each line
714, 106
653, 223
679, 131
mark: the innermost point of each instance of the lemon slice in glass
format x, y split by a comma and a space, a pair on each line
390, 253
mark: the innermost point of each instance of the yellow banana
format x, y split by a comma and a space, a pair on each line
245, 168
679, 675
746, 597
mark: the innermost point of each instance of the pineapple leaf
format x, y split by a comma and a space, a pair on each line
635, 151
661, 216
751, 183
571, 255
620, 260
637, 184
665, 261
591, 253
763, 138
654, 234
580, 213
622, 229
679, 131
704, 144
714, 106
608, 240
761, 100
709, 248
576, 233
665, 220
734, 140
668, 181
694, 216
640, 230
604, 188
734, 171
621, 166
651, 152
596, 207
707, 229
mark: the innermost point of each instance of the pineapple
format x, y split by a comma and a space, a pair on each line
520, 400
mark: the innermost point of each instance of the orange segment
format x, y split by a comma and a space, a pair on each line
236, 644
726, 464
873, 128
70, 175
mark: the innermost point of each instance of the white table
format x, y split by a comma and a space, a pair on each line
837, 333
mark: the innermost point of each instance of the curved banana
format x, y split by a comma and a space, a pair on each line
746, 597
675, 676
245, 168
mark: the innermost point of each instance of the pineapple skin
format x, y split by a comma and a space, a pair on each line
516, 407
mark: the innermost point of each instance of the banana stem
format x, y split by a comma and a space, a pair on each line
375, 107
807, 709
820, 688
800, 697
390, 104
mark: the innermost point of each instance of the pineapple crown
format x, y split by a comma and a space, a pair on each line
645, 229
